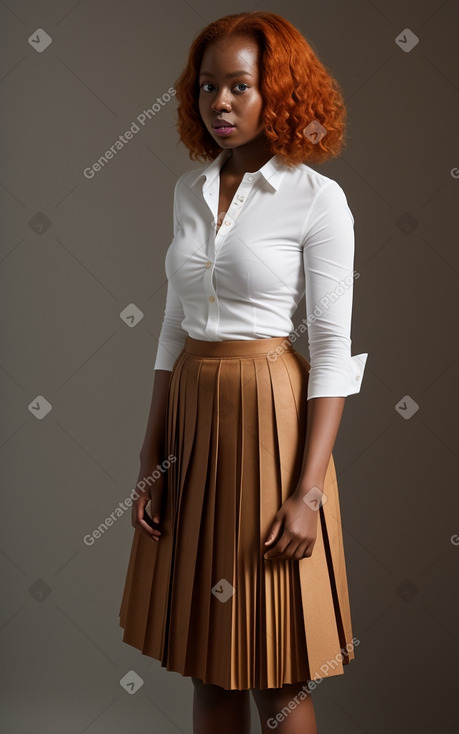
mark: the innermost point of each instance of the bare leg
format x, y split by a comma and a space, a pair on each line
216, 709
298, 718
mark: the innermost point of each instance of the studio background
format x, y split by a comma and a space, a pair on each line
83, 294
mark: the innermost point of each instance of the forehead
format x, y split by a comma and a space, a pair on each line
239, 49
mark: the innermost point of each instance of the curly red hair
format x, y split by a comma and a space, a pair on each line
296, 88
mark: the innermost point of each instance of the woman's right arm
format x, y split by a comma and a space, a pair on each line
170, 343
151, 455
153, 444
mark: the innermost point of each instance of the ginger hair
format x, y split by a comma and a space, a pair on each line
295, 86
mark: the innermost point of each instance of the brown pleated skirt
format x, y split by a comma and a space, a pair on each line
203, 600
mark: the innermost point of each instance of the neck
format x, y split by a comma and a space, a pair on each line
247, 160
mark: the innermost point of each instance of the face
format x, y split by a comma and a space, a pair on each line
229, 89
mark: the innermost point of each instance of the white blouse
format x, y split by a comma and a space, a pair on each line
287, 231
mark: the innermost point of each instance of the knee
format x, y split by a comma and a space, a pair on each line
208, 691
270, 700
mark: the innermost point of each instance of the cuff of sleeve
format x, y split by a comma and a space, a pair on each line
356, 370
352, 381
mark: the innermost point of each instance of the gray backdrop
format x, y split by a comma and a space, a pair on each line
79, 255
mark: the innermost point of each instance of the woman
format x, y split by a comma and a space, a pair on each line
237, 575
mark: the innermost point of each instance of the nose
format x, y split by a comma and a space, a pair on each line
221, 102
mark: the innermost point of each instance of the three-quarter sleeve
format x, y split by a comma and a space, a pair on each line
172, 336
328, 255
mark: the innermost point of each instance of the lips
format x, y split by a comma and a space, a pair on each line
221, 123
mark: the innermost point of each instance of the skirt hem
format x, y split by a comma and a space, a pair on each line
223, 684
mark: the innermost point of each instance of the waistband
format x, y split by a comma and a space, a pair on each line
237, 347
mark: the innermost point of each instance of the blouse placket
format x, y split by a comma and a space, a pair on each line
216, 239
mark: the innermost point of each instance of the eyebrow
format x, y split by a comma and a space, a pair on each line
233, 73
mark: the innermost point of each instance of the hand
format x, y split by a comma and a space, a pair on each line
148, 524
294, 530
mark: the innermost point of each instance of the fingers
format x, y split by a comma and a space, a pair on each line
297, 530
275, 530
294, 549
153, 524
279, 550
142, 521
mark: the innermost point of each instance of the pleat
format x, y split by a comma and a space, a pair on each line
288, 438
203, 600
334, 551
244, 648
270, 501
194, 523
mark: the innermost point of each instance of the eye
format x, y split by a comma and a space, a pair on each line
208, 84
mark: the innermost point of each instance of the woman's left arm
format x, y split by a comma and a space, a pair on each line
295, 526
323, 421
328, 251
